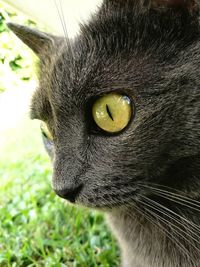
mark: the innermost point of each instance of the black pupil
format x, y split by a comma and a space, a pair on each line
109, 112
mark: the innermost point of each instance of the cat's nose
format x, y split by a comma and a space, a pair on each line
69, 194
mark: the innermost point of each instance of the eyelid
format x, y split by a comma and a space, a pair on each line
94, 96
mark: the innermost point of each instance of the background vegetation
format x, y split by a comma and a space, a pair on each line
36, 227
16, 62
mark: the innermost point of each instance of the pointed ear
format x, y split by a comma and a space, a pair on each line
190, 5
36, 40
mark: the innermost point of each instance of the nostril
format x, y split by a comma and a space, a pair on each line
69, 193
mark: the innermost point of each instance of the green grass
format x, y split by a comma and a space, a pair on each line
36, 227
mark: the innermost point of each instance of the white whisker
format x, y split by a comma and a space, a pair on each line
168, 234
184, 222
63, 19
181, 199
59, 8
60, 17
170, 224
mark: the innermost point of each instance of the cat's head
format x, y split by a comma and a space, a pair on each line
120, 102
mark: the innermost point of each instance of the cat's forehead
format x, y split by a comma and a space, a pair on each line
93, 72
116, 51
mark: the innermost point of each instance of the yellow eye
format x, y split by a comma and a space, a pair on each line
112, 112
45, 131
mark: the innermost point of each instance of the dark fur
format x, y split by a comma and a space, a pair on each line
151, 52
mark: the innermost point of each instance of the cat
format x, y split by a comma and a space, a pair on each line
120, 106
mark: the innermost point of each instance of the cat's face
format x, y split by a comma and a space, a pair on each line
154, 70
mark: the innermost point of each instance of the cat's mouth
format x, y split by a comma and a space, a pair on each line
70, 194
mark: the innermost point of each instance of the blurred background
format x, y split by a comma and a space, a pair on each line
36, 227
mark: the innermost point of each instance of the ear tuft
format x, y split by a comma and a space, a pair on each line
36, 40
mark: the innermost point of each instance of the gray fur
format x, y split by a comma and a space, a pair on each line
147, 178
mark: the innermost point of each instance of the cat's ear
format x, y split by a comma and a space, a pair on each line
38, 41
192, 6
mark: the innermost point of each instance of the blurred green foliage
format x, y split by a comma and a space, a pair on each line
16, 63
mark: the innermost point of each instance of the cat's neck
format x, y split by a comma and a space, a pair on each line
147, 242
162, 222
